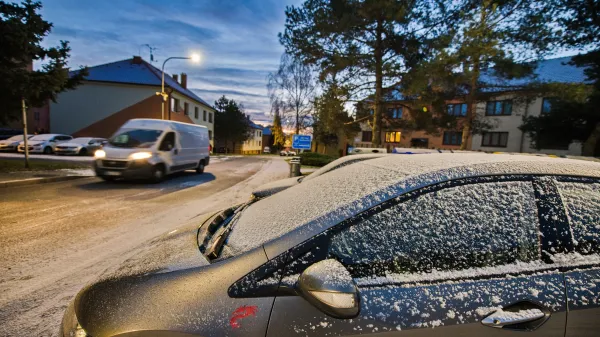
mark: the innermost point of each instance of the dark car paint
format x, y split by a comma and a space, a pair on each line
170, 301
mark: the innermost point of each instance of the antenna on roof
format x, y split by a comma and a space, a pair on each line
152, 50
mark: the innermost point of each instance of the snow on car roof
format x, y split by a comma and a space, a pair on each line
309, 208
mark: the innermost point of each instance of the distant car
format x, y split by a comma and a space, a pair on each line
11, 144
43, 143
364, 150
271, 188
82, 146
421, 245
287, 153
267, 150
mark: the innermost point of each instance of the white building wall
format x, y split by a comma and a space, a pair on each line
91, 102
201, 108
518, 141
254, 143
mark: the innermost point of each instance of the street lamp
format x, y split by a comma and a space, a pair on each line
195, 58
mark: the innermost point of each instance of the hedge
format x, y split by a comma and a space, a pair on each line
315, 159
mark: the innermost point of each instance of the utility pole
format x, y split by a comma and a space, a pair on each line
25, 132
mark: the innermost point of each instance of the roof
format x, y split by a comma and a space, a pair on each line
255, 126
142, 73
267, 131
556, 70
315, 205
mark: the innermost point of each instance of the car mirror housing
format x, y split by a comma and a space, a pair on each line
329, 286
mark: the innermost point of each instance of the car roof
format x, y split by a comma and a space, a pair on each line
322, 202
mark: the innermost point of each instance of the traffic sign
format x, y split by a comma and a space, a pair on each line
301, 142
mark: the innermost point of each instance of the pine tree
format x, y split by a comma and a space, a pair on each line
277, 130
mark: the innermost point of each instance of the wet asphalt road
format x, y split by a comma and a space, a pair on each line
56, 237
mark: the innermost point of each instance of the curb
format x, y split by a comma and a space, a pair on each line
35, 181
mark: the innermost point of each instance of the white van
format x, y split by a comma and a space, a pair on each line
153, 148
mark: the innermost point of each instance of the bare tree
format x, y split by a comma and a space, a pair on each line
291, 91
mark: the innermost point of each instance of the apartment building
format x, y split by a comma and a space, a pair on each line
503, 109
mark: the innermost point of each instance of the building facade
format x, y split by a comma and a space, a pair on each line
502, 110
253, 145
116, 92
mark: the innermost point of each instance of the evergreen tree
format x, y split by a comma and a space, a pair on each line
22, 30
331, 120
277, 130
231, 124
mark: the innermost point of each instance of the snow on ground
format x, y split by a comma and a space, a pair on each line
48, 157
35, 295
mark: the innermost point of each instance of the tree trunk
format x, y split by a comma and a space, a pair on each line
591, 143
297, 120
378, 111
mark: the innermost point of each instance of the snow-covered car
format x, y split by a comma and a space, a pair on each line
280, 185
82, 146
11, 144
266, 150
470, 244
43, 143
286, 153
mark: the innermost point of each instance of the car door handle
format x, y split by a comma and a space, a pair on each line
524, 316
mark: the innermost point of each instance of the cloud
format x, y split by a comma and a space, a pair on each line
226, 92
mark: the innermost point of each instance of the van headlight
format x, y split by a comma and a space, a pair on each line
140, 155
99, 154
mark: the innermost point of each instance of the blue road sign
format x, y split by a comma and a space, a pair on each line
301, 142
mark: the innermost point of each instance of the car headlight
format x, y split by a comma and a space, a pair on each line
140, 155
99, 154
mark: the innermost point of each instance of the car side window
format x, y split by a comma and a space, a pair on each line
467, 226
582, 204
168, 142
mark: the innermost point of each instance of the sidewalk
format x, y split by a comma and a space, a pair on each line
19, 178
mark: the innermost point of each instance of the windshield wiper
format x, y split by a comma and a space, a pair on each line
216, 242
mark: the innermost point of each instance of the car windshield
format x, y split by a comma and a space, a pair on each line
42, 137
132, 138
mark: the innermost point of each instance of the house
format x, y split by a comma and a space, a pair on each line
504, 108
267, 137
252, 145
115, 92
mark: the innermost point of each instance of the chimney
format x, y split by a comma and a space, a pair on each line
136, 60
184, 80
175, 78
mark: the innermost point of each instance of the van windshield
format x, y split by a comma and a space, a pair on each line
132, 138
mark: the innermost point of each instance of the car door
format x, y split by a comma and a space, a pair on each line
468, 257
581, 198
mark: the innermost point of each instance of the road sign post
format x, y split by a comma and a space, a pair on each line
301, 142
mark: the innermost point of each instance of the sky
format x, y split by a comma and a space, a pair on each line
237, 40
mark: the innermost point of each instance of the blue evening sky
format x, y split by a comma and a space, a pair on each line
236, 38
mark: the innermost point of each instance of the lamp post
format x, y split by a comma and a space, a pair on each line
195, 58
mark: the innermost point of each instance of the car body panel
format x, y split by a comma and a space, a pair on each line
38, 146
456, 308
74, 146
11, 144
583, 296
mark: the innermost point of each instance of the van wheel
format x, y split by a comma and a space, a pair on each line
200, 168
158, 173
47, 150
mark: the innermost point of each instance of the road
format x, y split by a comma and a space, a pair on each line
55, 238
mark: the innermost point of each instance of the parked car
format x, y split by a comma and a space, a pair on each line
267, 150
82, 146
6, 133
271, 188
45, 143
11, 144
287, 153
468, 244
153, 148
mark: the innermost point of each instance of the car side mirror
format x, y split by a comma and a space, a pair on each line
329, 286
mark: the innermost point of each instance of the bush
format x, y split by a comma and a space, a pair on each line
315, 159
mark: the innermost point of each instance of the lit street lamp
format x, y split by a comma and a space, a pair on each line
195, 58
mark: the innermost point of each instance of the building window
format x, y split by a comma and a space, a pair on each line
204, 115
367, 136
371, 112
394, 112
36, 115
499, 108
459, 110
174, 104
186, 108
210, 117
210, 134
547, 105
260, 143
196, 112
452, 138
495, 139
392, 137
